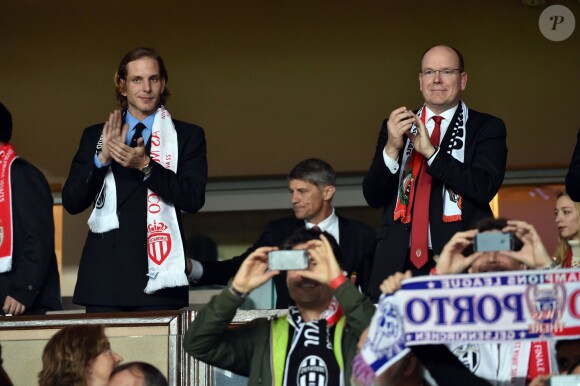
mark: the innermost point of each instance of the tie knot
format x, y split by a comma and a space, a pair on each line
138, 134
139, 128
437, 119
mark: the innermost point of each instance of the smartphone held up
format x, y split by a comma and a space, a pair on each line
287, 260
493, 241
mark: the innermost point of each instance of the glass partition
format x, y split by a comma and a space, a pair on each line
152, 337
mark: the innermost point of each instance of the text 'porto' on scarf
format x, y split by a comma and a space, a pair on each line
411, 166
166, 259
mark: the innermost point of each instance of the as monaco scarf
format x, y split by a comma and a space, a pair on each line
311, 358
165, 253
411, 166
7, 156
523, 308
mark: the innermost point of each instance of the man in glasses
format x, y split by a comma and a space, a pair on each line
434, 171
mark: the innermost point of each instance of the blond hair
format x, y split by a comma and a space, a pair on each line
562, 247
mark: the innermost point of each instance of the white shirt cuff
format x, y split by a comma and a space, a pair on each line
196, 271
393, 165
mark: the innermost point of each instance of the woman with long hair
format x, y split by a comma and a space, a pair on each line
78, 356
567, 214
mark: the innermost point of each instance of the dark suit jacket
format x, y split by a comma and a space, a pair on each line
113, 265
573, 176
33, 279
357, 243
477, 179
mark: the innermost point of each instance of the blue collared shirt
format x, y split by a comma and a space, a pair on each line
132, 121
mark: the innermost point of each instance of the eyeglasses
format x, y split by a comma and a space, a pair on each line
444, 73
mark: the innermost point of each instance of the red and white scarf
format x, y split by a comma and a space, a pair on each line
7, 156
411, 166
507, 364
166, 259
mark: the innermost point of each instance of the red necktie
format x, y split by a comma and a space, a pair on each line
420, 217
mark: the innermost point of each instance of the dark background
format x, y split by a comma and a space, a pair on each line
274, 82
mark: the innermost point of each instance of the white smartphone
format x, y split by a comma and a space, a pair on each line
287, 260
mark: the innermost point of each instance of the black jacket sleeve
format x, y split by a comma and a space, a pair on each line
573, 176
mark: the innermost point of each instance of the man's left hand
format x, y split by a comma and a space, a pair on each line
323, 265
533, 253
421, 141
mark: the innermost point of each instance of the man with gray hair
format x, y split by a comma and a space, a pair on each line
312, 184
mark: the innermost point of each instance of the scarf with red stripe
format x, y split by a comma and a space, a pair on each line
411, 167
7, 156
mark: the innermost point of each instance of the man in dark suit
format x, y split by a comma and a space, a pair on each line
573, 176
464, 170
312, 185
141, 169
29, 282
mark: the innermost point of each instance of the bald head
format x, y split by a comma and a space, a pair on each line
448, 49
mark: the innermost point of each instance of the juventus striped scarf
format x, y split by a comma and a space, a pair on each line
311, 359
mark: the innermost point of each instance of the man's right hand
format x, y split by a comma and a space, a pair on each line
13, 306
253, 271
111, 130
451, 259
400, 121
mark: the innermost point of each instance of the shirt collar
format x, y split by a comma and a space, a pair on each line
447, 115
324, 224
132, 121
329, 225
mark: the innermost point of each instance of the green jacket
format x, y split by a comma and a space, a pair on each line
246, 349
